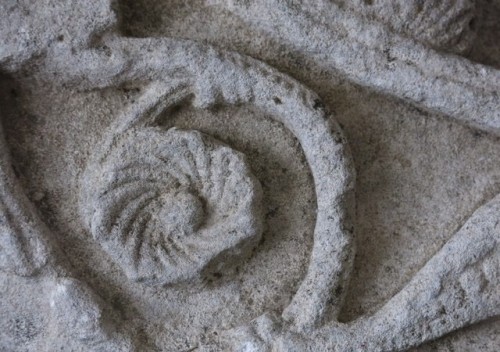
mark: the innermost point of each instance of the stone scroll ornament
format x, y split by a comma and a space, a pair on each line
167, 203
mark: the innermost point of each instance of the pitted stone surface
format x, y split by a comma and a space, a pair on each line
168, 194
165, 204
448, 25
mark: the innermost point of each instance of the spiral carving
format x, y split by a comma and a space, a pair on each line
166, 203
206, 78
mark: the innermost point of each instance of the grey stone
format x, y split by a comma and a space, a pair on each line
447, 25
168, 194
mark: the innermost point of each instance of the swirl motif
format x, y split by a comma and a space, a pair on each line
454, 280
166, 203
227, 79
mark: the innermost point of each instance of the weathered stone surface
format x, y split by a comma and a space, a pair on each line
168, 194
448, 25
166, 203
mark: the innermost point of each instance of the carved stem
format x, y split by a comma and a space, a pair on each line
24, 246
452, 85
459, 286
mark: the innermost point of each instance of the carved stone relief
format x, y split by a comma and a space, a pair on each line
160, 191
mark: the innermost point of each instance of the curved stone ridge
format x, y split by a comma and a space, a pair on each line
338, 39
24, 238
209, 77
459, 286
164, 204
156, 183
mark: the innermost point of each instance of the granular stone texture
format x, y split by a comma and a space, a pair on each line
232, 175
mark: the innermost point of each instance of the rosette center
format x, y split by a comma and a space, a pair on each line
180, 214
167, 203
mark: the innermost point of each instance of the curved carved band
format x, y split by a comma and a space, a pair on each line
286, 101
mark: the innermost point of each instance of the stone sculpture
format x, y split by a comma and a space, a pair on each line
165, 207
169, 208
